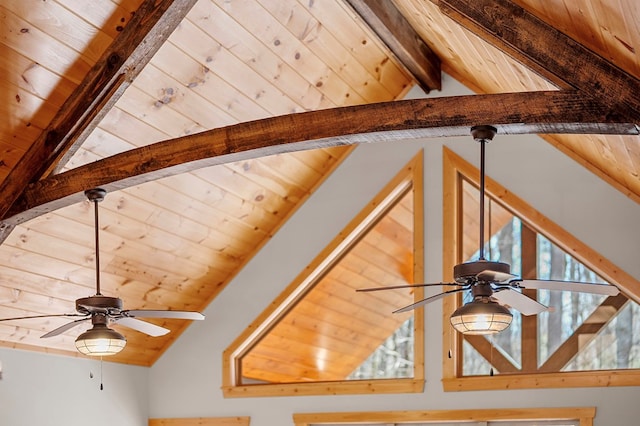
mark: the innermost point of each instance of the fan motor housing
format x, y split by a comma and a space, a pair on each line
463, 272
91, 304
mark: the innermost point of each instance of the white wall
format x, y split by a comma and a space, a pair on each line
186, 381
51, 390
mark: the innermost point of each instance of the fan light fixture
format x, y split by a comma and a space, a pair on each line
491, 283
100, 340
481, 316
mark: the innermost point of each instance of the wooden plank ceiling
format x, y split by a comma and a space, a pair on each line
174, 243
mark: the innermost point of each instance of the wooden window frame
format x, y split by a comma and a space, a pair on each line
455, 169
584, 415
410, 178
202, 421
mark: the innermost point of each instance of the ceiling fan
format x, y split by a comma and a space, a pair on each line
102, 310
491, 283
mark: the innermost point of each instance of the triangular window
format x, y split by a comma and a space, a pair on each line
321, 336
583, 333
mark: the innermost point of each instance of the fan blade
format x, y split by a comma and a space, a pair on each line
428, 300
62, 329
42, 316
521, 302
148, 313
393, 287
606, 289
142, 326
494, 276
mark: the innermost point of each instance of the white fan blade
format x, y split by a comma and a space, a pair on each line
43, 316
494, 276
606, 289
62, 329
428, 300
144, 313
142, 326
523, 303
394, 287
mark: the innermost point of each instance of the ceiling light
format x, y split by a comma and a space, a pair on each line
100, 340
481, 316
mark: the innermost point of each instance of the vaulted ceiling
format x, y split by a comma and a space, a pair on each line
90, 90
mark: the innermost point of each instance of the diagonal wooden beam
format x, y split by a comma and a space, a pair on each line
107, 80
547, 51
395, 31
511, 113
586, 332
492, 355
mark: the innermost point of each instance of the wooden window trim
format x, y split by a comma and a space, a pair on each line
455, 168
584, 415
201, 421
410, 178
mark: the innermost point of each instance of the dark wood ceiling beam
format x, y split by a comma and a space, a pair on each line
395, 31
128, 54
547, 51
107, 80
511, 113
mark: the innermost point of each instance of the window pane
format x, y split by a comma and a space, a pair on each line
570, 309
506, 248
392, 359
334, 333
473, 363
580, 332
617, 346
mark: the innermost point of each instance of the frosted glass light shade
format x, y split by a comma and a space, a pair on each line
100, 341
481, 316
